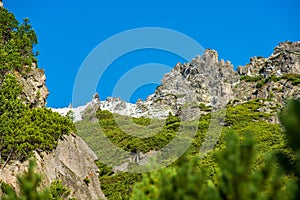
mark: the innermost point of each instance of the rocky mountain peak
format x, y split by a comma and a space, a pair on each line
208, 81
205, 79
96, 99
212, 82
209, 56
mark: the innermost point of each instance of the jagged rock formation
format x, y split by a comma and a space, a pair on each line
91, 108
72, 162
283, 62
285, 59
33, 82
204, 80
214, 83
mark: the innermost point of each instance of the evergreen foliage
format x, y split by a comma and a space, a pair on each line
235, 178
58, 191
22, 129
290, 119
241, 169
260, 81
294, 78
130, 143
248, 154
16, 43
251, 78
119, 186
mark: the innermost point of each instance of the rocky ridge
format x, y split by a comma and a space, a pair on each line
214, 83
279, 74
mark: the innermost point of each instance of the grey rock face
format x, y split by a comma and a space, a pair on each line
91, 108
35, 91
284, 61
204, 80
72, 161
214, 83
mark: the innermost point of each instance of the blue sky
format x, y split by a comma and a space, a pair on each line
69, 30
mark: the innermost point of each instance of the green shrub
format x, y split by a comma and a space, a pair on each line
87, 180
141, 121
16, 43
251, 78
6, 188
58, 191
22, 129
203, 107
119, 186
129, 142
274, 78
104, 170
294, 78
234, 177
260, 84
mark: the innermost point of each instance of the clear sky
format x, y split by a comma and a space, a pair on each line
69, 30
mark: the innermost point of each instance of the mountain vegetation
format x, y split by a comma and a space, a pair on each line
253, 158
23, 129
16, 43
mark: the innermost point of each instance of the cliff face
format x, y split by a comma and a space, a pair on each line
72, 162
34, 87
